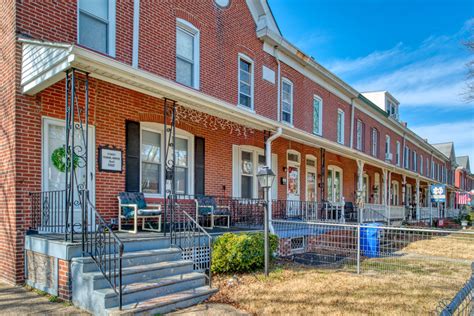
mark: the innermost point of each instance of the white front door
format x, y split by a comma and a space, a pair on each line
54, 177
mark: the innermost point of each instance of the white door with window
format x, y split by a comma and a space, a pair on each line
334, 183
293, 176
54, 176
311, 176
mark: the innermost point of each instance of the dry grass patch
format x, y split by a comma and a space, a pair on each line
413, 282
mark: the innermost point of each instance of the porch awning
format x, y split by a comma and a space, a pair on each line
45, 63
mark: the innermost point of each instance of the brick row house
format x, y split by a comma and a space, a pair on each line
234, 94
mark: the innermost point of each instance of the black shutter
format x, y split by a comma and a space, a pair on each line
132, 156
199, 162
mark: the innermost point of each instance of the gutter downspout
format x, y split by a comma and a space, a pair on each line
278, 83
352, 123
268, 162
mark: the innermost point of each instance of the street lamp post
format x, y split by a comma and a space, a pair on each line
265, 178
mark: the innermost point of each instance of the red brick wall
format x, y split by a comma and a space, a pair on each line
64, 279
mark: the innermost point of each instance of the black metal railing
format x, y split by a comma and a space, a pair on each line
194, 241
245, 213
102, 245
48, 212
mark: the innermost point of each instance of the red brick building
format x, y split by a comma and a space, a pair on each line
235, 81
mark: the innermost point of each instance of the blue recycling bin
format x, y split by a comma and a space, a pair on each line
370, 240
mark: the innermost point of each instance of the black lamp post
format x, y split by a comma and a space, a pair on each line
265, 178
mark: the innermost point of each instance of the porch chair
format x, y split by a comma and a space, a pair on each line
133, 205
206, 207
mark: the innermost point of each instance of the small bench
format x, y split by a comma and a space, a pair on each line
206, 206
133, 205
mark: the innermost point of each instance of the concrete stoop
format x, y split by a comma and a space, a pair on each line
154, 282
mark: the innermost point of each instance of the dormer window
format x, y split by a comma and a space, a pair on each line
392, 109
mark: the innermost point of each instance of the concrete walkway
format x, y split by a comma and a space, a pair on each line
16, 300
210, 310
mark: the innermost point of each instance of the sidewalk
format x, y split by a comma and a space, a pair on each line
16, 300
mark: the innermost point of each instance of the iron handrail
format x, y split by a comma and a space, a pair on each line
104, 247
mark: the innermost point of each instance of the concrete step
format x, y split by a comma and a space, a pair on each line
165, 304
142, 273
136, 258
136, 292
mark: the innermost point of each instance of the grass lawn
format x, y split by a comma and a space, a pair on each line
424, 273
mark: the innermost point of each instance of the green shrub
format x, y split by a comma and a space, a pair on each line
243, 252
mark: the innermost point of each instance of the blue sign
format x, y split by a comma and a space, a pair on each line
438, 193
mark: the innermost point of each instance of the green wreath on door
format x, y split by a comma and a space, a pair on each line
58, 157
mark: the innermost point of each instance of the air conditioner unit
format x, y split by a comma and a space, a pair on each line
388, 156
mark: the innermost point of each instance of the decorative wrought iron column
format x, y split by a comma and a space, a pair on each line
170, 162
76, 148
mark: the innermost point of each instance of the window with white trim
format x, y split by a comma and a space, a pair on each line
432, 169
406, 158
311, 178
415, 162
375, 142
421, 165
359, 135
96, 25
395, 193
152, 170
187, 54
287, 101
246, 79
340, 126
366, 188
317, 115
398, 153
335, 184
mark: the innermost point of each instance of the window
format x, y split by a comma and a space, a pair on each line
152, 173
366, 188
375, 142
387, 144
432, 169
340, 126
395, 191
287, 101
406, 158
376, 188
245, 82
415, 162
421, 165
359, 135
317, 115
247, 162
293, 176
398, 153
187, 54
334, 183
96, 25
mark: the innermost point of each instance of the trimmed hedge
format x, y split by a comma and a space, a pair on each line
242, 252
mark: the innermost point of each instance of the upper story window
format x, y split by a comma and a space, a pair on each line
406, 157
375, 142
421, 165
340, 126
187, 54
415, 162
398, 153
432, 169
317, 115
392, 109
245, 82
287, 101
96, 25
360, 127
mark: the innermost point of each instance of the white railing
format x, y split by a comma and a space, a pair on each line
374, 213
453, 212
425, 213
396, 212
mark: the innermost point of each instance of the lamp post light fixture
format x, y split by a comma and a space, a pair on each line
265, 178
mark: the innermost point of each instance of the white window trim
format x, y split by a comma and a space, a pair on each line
395, 193
334, 168
421, 165
375, 142
287, 81
188, 27
415, 161
387, 144
159, 128
315, 171
359, 136
342, 132
252, 84
320, 132
236, 174
398, 153
377, 185
111, 26
367, 188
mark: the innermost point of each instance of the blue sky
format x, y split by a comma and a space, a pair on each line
411, 48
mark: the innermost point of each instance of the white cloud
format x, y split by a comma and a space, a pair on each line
461, 132
431, 74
